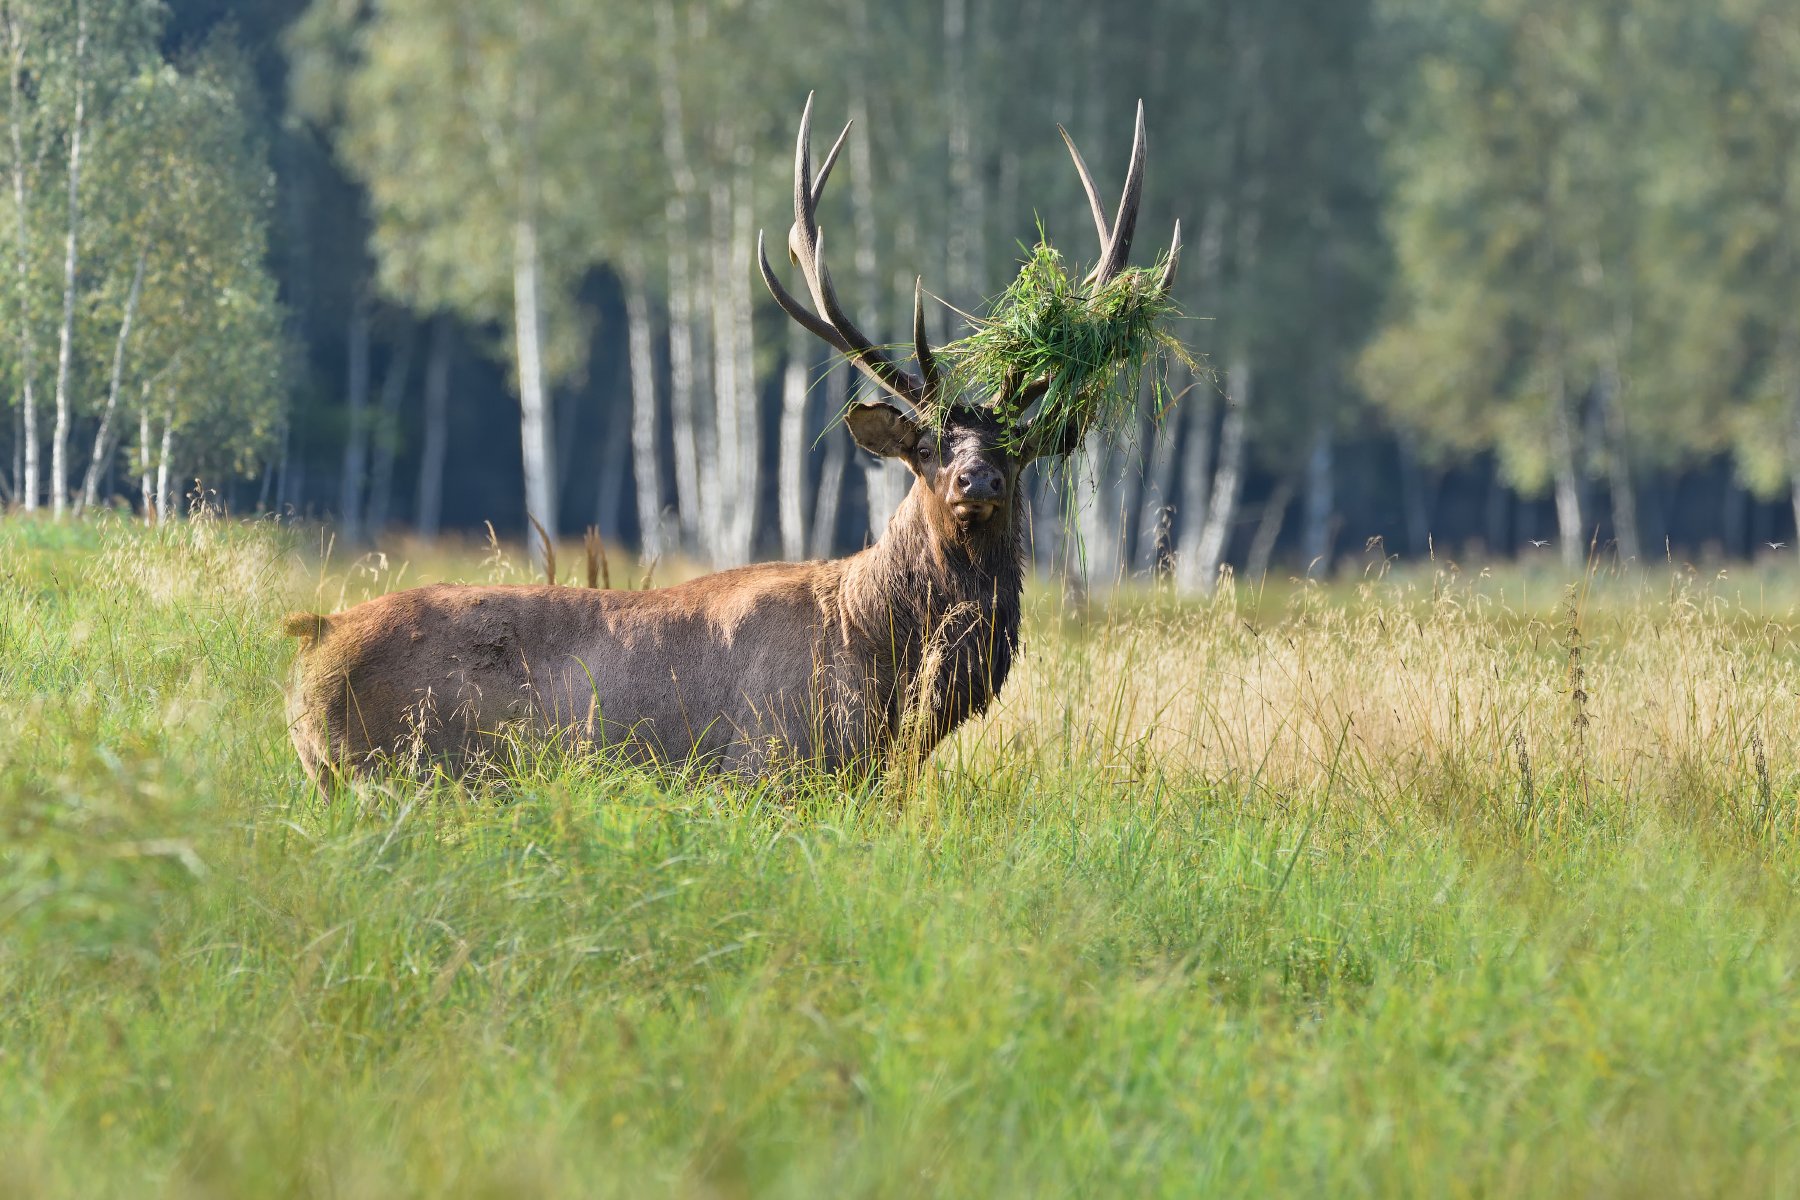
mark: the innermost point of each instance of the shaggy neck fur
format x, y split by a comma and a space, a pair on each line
941, 605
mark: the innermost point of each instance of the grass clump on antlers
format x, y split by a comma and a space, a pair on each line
1093, 348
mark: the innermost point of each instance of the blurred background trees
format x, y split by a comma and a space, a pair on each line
1470, 276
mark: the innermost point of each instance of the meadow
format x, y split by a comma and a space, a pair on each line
1436, 882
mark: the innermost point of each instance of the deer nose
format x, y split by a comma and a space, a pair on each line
978, 482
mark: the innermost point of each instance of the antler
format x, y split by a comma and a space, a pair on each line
1115, 250
1115, 242
806, 250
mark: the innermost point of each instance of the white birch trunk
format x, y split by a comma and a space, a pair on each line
1792, 355
719, 458
1268, 530
430, 511
1158, 506
1101, 504
29, 486
831, 472
681, 379
356, 442
1568, 477
1227, 482
967, 252
1196, 484
535, 422
164, 460
792, 483
683, 385
59, 437
884, 482
743, 441
90, 487
146, 496
646, 467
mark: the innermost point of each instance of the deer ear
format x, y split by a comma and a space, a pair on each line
882, 429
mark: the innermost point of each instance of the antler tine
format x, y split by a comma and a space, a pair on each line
1087, 183
1115, 250
1118, 245
792, 307
804, 202
806, 249
1168, 276
928, 367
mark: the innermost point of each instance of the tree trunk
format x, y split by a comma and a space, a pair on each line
17, 475
683, 386
1268, 531
356, 441
966, 252
1099, 557
29, 486
1228, 478
1159, 492
386, 434
1618, 468
1568, 478
1196, 485
1315, 536
1793, 368
646, 467
164, 459
146, 497
536, 435
90, 487
723, 472
831, 472
429, 515
1160, 499
743, 440
59, 437
793, 446
1197, 468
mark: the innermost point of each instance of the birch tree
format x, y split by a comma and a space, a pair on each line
482, 195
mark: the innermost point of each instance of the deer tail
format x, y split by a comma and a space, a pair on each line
308, 627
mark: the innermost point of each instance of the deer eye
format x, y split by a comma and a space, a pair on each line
925, 451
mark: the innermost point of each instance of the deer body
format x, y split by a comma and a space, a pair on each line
743, 671
831, 664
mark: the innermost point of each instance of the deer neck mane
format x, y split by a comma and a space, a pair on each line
929, 567
939, 609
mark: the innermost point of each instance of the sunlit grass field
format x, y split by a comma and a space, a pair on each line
1435, 883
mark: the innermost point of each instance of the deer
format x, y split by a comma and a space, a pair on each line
841, 664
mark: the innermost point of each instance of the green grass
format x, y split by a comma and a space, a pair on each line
1094, 346
1122, 938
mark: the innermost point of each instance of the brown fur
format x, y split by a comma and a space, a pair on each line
744, 671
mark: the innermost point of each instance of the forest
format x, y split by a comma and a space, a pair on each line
1508, 277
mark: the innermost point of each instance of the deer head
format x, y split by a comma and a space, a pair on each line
965, 460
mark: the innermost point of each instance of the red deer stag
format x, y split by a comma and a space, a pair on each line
748, 669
